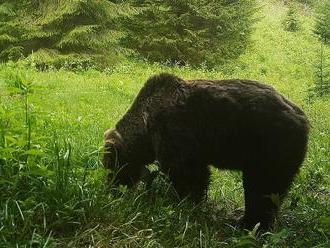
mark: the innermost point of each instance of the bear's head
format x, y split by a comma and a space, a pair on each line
115, 159
112, 147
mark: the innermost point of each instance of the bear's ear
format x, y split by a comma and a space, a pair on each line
107, 133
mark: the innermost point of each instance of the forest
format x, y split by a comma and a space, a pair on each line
69, 70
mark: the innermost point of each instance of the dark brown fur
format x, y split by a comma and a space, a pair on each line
230, 124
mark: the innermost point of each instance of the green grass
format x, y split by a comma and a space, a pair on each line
53, 188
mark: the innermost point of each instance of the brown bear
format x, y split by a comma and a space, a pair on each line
188, 125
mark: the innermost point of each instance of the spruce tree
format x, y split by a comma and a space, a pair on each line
322, 69
291, 22
193, 32
56, 28
322, 27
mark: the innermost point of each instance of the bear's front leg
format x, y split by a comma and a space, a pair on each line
180, 155
188, 173
189, 179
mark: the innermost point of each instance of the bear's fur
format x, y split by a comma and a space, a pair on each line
230, 124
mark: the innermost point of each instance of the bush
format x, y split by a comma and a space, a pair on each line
189, 31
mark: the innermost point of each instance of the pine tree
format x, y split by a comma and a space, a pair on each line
291, 22
56, 27
322, 27
189, 31
322, 31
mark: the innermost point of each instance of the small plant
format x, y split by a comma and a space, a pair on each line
322, 75
18, 85
322, 27
291, 22
322, 70
249, 240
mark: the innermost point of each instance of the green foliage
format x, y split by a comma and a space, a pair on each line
189, 32
69, 27
322, 27
322, 68
291, 22
322, 75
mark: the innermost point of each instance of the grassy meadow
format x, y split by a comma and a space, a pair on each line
53, 190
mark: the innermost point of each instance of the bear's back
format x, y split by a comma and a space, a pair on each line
241, 96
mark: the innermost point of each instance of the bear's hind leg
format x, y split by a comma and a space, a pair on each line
264, 192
